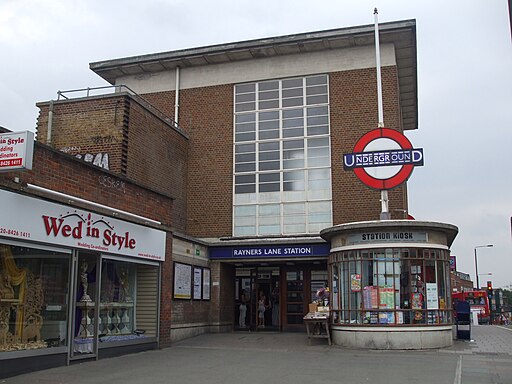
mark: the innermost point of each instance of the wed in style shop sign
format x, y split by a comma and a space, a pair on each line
16, 151
27, 218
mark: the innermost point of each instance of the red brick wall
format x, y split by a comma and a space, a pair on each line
166, 309
64, 173
164, 102
187, 311
223, 294
206, 114
157, 156
139, 144
81, 126
354, 111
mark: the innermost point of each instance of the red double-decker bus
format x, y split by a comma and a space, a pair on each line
477, 299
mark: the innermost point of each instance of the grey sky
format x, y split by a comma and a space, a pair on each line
464, 84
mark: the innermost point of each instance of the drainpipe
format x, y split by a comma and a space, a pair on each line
50, 123
177, 101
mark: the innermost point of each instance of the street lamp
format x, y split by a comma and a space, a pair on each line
476, 263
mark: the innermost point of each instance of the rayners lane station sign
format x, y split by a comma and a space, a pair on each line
383, 158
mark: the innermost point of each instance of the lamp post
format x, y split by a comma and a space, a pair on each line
476, 263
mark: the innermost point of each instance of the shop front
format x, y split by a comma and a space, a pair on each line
74, 284
274, 283
391, 284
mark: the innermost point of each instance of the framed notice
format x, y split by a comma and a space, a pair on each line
432, 297
206, 284
198, 275
182, 281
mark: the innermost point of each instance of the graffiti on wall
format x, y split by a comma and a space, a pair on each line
99, 159
110, 182
70, 149
102, 139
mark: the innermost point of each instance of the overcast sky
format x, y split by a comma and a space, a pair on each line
464, 84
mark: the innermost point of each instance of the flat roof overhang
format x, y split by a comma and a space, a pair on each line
402, 34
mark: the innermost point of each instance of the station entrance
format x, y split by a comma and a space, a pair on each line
276, 297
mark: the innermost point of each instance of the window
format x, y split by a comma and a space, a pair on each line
391, 286
282, 157
34, 298
128, 300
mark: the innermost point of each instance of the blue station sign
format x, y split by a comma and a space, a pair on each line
383, 158
271, 251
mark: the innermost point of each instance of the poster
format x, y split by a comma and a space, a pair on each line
386, 297
198, 276
182, 281
417, 301
432, 296
355, 282
370, 297
206, 284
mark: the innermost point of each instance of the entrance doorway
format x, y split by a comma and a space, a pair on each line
258, 289
284, 292
266, 308
84, 338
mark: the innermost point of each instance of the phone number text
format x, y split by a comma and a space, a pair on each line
14, 232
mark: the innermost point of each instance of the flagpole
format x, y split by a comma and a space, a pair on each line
384, 215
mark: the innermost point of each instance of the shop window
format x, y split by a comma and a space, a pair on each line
33, 298
319, 282
389, 286
128, 301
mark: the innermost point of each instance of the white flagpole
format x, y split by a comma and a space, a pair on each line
384, 215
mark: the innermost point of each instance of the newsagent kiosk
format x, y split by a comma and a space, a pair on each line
390, 284
74, 284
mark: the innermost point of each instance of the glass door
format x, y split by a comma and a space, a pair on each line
253, 309
294, 308
86, 304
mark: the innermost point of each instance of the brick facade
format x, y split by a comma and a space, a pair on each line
86, 126
139, 144
353, 106
208, 119
195, 165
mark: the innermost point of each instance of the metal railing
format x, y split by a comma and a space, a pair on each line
108, 89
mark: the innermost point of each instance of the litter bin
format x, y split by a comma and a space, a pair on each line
463, 320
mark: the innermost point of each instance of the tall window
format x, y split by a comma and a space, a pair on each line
282, 175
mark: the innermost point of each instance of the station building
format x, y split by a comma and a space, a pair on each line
233, 153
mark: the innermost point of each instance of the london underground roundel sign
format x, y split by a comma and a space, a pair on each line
383, 158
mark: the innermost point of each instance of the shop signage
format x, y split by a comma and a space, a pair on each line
16, 150
383, 158
27, 218
463, 276
453, 263
383, 237
278, 251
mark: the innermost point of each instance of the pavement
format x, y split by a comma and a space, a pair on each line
270, 357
